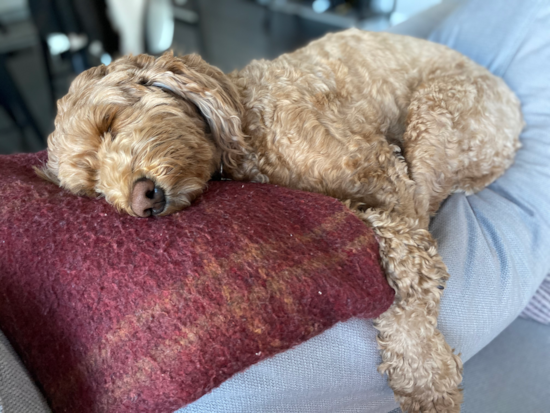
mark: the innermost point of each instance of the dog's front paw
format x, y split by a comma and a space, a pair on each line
425, 381
422, 369
432, 402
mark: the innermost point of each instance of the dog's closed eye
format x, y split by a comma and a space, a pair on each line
163, 87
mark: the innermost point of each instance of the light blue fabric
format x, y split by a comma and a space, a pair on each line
496, 244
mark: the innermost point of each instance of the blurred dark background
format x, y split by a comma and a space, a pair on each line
44, 44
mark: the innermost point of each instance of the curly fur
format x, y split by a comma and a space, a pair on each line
389, 124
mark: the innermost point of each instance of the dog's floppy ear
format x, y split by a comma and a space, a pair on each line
77, 136
214, 95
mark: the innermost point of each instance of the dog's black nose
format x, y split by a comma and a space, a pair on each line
147, 198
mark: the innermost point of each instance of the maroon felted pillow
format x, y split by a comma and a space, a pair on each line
120, 314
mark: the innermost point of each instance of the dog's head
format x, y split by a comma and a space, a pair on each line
147, 133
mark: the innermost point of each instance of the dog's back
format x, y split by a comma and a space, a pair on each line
334, 117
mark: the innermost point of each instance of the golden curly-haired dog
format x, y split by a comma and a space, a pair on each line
389, 124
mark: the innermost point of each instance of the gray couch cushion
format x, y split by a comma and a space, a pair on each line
18, 393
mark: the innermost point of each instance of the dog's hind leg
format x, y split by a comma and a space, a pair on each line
461, 134
422, 370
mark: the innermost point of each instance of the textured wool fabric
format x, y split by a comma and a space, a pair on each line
119, 314
496, 244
